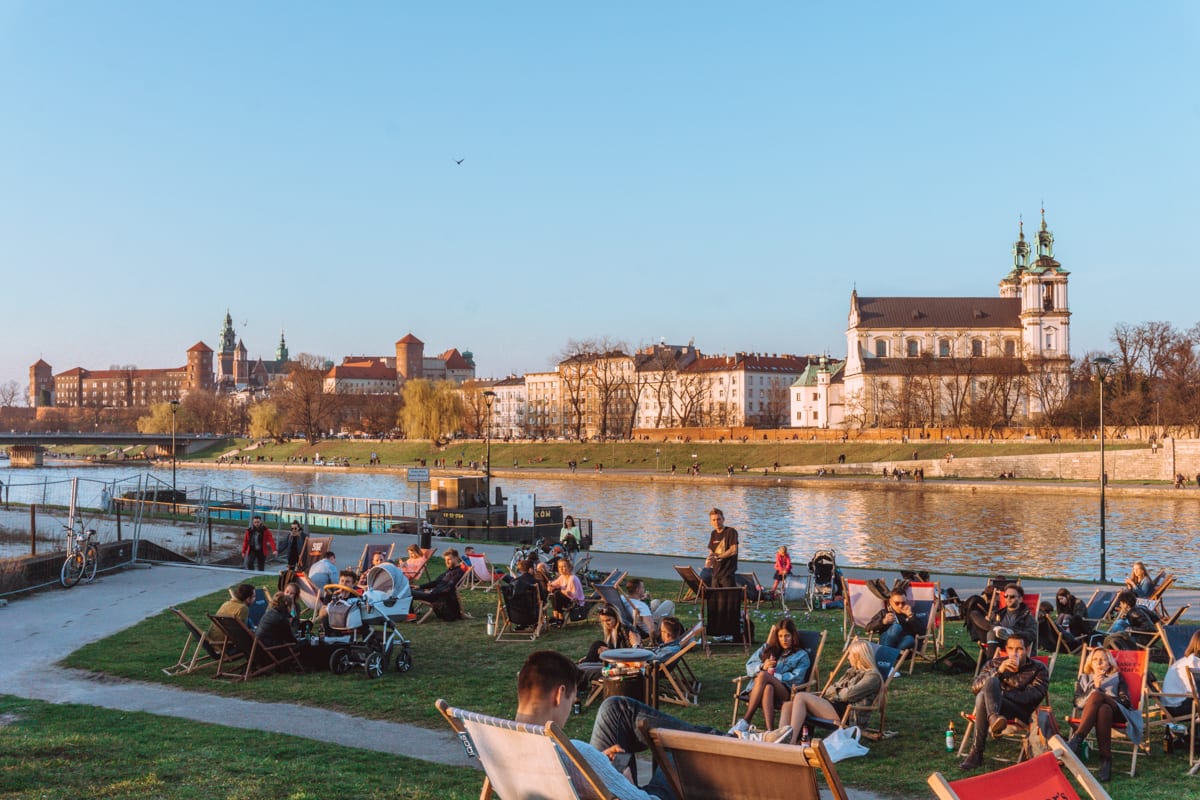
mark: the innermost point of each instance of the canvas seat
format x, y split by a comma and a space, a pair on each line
677, 683
482, 573
1160, 715
519, 614
416, 569
889, 662
1040, 777
689, 591
725, 617
1017, 729
861, 606
368, 555
1134, 666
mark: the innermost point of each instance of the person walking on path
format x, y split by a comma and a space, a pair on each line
257, 545
722, 551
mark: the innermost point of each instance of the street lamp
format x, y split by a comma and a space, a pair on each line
174, 411
1103, 366
489, 397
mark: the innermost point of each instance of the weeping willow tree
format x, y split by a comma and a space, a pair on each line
431, 410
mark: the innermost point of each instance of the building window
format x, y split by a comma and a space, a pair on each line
1010, 348
816, 396
1049, 341
943, 348
977, 348
814, 416
881, 348
914, 348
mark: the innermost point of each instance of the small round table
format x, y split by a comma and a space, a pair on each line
630, 672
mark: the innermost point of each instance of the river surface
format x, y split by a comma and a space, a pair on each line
1028, 533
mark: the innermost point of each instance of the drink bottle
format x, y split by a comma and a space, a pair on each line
950, 737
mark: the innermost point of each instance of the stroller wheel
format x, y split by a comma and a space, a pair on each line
339, 661
373, 664
404, 660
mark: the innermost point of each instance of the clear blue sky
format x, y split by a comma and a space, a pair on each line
716, 171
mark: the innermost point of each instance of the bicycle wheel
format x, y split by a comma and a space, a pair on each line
91, 558
72, 570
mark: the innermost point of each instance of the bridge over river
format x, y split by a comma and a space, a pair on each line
26, 449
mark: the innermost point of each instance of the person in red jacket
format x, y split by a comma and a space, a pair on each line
257, 545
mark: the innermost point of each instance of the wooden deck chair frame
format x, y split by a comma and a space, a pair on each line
751, 579
524, 762
259, 658
505, 628
430, 613
1134, 666
723, 612
677, 683
1146, 639
861, 604
1017, 730
368, 555
483, 572
704, 767
1161, 716
1016, 781
1100, 605
1160, 590
920, 593
814, 643
197, 652
689, 591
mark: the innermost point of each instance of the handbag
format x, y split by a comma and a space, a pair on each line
844, 743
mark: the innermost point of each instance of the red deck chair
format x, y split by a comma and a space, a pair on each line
1017, 729
1133, 666
1036, 779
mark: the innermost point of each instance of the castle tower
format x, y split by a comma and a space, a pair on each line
199, 368
241, 364
41, 385
410, 359
225, 376
281, 352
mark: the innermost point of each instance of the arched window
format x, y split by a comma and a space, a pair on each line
977, 348
881, 348
1010, 348
943, 348
914, 348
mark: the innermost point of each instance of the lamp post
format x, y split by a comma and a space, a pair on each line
174, 411
1103, 365
489, 397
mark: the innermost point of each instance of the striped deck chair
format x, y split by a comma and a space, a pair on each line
525, 762
417, 569
1040, 777
367, 559
861, 605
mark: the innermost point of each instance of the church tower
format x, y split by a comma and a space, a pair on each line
1010, 284
225, 375
1045, 313
281, 352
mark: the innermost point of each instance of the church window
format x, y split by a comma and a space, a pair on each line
1010, 348
1049, 341
943, 348
881, 349
1048, 296
816, 396
977, 348
815, 417
914, 348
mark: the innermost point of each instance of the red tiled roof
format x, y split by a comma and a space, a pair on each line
749, 362
200, 347
410, 339
939, 312
454, 359
362, 371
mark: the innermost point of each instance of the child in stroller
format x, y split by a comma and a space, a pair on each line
365, 623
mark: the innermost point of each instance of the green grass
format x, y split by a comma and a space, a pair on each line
458, 662
56, 751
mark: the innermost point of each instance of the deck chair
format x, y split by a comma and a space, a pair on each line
1099, 606
814, 643
755, 592
677, 683
725, 617
1031, 601
703, 767
256, 657
616, 598
197, 652
482, 572
317, 547
1147, 639
1160, 589
861, 605
1040, 777
525, 762
890, 661
519, 614
368, 555
453, 609
417, 569
1175, 639
925, 599
1160, 714
1134, 665
1018, 729
689, 591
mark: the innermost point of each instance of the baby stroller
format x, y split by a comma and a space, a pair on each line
823, 578
367, 624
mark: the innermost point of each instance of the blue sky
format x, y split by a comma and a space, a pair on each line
723, 172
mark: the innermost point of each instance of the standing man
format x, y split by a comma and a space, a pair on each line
297, 546
257, 545
722, 550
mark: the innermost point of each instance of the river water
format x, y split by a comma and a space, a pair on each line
1028, 533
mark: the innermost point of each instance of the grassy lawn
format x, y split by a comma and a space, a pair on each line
652, 455
56, 751
457, 661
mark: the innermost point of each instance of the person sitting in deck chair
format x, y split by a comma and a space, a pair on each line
1012, 617
238, 606
1130, 617
546, 691
442, 591
896, 623
324, 572
1008, 687
670, 632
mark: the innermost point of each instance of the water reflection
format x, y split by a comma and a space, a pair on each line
1045, 534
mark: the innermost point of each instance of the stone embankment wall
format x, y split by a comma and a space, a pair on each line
1173, 456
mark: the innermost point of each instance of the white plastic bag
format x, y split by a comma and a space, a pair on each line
844, 743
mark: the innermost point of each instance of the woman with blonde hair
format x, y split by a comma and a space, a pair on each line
1100, 696
860, 682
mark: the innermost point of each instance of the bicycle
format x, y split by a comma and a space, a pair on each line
82, 556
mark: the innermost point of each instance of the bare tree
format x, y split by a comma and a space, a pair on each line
11, 394
576, 363
475, 410
690, 390
305, 404
611, 370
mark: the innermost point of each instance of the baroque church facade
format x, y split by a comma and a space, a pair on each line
952, 361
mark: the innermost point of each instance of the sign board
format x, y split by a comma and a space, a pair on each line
418, 475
